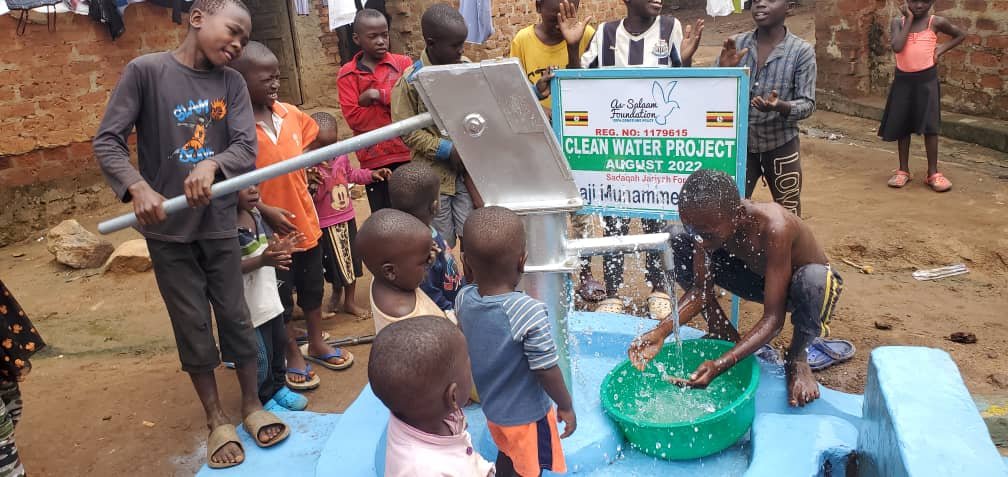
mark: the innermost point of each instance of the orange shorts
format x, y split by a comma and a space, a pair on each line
531, 447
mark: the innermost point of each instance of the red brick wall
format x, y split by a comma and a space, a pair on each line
53, 91
855, 59
54, 87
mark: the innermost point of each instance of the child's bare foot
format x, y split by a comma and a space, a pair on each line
802, 385
355, 310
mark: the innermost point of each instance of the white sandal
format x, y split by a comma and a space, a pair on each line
610, 305
659, 305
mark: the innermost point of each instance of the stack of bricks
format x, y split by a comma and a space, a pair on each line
855, 58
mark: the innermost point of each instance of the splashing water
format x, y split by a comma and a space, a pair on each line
671, 283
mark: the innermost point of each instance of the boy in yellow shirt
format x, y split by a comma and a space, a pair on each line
558, 41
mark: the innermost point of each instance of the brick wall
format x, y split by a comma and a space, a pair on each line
54, 87
855, 59
53, 91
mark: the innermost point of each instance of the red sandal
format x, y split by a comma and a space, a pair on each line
938, 182
899, 179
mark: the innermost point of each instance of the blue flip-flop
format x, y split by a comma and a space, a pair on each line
824, 352
323, 360
310, 382
289, 400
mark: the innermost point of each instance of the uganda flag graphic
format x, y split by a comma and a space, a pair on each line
720, 119
575, 118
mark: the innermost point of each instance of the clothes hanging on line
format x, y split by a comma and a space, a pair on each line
478, 19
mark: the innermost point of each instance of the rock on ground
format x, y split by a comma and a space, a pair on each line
131, 257
76, 247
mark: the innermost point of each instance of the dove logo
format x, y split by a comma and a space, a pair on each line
665, 105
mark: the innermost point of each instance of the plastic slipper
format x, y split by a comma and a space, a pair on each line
768, 354
610, 305
290, 400
272, 406
323, 360
310, 382
302, 339
899, 179
659, 305
221, 436
259, 419
591, 290
938, 182
823, 353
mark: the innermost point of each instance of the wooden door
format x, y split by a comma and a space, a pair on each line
271, 26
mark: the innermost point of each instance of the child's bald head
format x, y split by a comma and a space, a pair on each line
494, 242
395, 247
419, 368
414, 188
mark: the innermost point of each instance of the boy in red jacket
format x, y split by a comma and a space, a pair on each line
365, 84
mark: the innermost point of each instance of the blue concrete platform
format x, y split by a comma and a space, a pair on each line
783, 441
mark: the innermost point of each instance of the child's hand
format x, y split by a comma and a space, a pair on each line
569, 419
704, 374
691, 41
730, 56
905, 10
644, 349
543, 85
147, 204
314, 175
771, 103
572, 29
197, 184
290, 241
368, 97
278, 219
379, 175
276, 255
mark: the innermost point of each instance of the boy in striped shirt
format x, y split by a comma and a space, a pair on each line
514, 360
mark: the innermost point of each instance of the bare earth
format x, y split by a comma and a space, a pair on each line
111, 365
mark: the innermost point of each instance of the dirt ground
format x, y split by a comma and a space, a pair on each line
111, 364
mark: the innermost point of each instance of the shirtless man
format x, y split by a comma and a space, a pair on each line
760, 252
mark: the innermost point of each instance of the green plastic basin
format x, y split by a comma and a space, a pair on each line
663, 420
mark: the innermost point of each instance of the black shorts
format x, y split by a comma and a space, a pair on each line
812, 295
341, 266
305, 275
192, 277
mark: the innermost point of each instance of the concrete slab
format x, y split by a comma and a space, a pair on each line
919, 419
297, 455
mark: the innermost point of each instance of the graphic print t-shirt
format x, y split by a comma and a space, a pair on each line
182, 116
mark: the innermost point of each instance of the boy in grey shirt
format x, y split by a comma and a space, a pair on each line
194, 125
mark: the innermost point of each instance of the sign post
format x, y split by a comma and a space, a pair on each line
633, 135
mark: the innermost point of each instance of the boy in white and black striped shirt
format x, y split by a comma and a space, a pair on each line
645, 38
